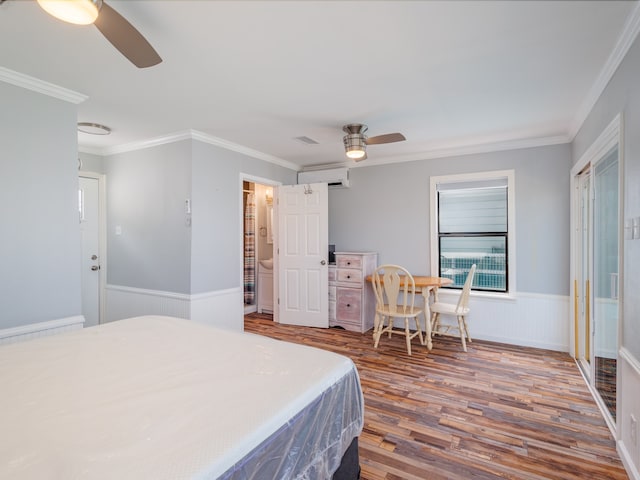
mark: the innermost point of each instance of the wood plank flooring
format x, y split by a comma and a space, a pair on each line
497, 411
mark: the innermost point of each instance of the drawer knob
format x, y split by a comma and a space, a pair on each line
348, 276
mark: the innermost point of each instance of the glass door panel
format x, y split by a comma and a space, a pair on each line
605, 277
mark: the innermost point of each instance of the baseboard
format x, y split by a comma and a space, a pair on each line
627, 461
40, 329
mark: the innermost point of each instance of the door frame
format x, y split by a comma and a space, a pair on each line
245, 177
102, 239
611, 136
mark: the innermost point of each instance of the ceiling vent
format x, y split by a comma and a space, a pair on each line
306, 140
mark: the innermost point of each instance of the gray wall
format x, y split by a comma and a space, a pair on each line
158, 248
91, 162
217, 213
622, 95
386, 210
146, 191
40, 235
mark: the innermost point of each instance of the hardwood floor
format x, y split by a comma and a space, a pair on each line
497, 411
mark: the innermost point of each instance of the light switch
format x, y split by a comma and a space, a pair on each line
118, 230
628, 229
636, 228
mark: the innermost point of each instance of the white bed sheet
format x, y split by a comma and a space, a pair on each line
156, 397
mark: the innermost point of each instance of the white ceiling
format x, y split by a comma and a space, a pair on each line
452, 76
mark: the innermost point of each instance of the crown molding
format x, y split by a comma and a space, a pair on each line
40, 86
148, 143
470, 149
91, 150
626, 39
219, 142
193, 135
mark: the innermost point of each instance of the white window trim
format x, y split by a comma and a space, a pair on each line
511, 222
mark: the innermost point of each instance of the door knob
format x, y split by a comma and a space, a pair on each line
95, 267
323, 262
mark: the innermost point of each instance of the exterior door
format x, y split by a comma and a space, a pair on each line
303, 243
89, 211
606, 265
597, 269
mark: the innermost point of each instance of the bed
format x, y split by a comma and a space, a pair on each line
166, 398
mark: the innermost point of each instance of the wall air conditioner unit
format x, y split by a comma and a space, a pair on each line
334, 177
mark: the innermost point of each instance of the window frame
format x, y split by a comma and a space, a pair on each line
509, 175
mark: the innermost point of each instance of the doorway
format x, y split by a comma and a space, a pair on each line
91, 212
257, 245
597, 265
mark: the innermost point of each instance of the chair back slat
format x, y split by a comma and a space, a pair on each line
392, 282
463, 301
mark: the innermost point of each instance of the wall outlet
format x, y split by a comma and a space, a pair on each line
633, 427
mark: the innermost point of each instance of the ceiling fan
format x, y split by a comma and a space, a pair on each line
355, 140
111, 24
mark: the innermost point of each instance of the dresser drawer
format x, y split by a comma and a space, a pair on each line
349, 276
349, 261
348, 304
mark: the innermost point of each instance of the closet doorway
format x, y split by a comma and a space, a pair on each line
597, 267
257, 244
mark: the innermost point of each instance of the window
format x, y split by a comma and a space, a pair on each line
472, 223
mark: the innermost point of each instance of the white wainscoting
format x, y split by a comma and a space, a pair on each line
222, 308
40, 329
629, 370
528, 319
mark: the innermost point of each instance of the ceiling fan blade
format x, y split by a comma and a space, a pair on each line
386, 138
126, 38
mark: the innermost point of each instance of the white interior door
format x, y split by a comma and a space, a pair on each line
89, 210
303, 243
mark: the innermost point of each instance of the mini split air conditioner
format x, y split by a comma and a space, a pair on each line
334, 177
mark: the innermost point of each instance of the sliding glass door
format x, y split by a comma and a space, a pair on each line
596, 271
605, 278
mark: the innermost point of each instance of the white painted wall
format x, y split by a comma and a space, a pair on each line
622, 96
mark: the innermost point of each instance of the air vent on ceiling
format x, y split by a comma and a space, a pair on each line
306, 140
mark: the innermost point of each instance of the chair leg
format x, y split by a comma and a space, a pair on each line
419, 329
461, 328
377, 329
466, 329
407, 334
435, 323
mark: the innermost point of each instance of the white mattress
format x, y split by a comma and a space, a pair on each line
159, 397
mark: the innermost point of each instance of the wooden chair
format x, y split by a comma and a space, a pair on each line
460, 311
394, 288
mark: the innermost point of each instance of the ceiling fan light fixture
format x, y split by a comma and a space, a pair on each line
93, 128
355, 146
78, 12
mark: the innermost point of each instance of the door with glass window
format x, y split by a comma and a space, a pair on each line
597, 264
606, 230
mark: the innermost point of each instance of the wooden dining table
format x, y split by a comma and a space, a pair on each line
427, 286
